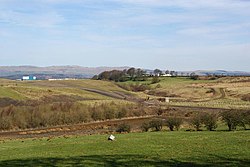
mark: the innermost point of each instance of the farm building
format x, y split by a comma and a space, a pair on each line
166, 75
29, 78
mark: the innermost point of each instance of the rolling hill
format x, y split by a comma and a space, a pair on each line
16, 72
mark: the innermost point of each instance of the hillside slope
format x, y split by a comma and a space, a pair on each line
16, 72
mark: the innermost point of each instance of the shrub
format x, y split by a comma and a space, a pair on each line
244, 119
97, 114
173, 122
231, 118
160, 111
122, 112
197, 121
145, 126
60, 113
123, 128
194, 77
155, 79
210, 121
139, 87
158, 86
5, 123
247, 117
156, 124
135, 87
109, 113
246, 97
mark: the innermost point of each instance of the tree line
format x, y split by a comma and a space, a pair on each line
200, 120
131, 74
231, 118
124, 75
65, 113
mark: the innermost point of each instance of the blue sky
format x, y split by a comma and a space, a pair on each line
165, 34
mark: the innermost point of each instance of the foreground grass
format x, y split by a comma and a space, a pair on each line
135, 149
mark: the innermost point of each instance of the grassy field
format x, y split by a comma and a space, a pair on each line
218, 103
36, 90
205, 148
220, 93
8, 92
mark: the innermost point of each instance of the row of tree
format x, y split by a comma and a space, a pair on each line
121, 76
158, 72
134, 74
24, 117
208, 120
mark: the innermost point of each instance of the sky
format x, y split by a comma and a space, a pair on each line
165, 34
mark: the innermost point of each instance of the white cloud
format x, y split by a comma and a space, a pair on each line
219, 4
153, 31
41, 20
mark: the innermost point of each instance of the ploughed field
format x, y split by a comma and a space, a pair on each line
178, 148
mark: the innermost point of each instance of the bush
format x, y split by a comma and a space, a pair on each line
196, 121
123, 128
61, 113
158, 86
139, 87
155, 79
173, 122
5, 124
244, 119
135, 87
246, 97
210, 121
145, 126
194, 77
160, 111
207, 119
231, 118
156, 124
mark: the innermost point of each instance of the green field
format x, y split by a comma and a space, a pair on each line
134, 149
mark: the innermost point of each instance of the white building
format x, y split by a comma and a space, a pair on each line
29, 77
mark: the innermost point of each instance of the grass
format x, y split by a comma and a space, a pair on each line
82, 93
24, 90
196, 93
186, 92
10, 93
84, 83
218, 103
134, 149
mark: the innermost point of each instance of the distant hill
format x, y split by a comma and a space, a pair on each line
16, 72
210, 72
221, 72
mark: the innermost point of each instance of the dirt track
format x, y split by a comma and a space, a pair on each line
108, 94
223, 93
